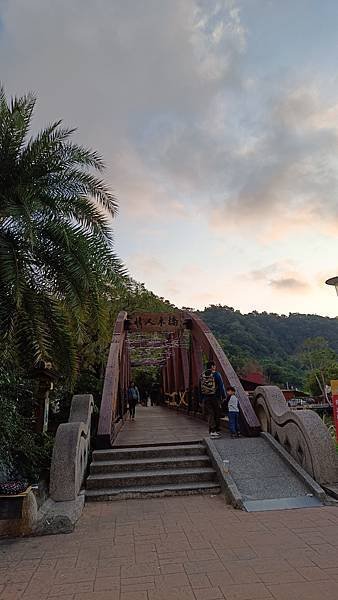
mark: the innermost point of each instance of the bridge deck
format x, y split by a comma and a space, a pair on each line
159, 425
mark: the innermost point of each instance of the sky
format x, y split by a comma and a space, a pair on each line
218, 123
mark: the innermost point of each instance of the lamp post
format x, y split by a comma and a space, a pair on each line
334, 384
333, 281
45, 375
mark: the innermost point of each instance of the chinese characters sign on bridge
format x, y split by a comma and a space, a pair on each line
155, 322
334, 389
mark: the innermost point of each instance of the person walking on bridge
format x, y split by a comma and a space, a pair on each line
213, 392
133, 399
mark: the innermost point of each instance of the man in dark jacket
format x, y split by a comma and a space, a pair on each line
212, 391
133, 399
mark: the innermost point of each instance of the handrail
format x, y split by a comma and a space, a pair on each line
203, 336
109, 402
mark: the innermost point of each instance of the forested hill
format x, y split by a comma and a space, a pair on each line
272, 340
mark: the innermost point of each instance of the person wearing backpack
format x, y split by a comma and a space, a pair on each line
212, 392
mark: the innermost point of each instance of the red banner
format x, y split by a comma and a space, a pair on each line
334, 389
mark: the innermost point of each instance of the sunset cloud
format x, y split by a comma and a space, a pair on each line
219, 128
289, 284
282, 277
168, 107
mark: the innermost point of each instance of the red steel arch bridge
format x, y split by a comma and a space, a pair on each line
177, 343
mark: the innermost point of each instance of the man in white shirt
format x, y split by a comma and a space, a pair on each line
233, 408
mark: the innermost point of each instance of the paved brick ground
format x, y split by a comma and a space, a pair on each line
181, 548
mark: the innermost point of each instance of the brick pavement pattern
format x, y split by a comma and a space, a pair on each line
178, 548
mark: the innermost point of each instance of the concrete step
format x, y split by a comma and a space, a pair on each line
146, 478
165, 489
167, 462
139, 452
158, 470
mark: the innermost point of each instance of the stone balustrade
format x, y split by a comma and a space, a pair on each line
71, 451
302, 433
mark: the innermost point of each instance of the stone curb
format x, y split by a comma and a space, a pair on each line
59, 517
313, 486
142, 495
228, 485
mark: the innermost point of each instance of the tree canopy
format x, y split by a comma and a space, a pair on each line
61, 283
56, 247
274, 341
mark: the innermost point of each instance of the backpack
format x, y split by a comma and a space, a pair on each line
132, 393
208, 383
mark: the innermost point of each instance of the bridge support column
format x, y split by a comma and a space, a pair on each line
184, 363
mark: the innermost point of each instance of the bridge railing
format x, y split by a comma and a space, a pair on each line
71, 451
203, 337
115, 382
303, 433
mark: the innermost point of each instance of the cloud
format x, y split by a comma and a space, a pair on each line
281, 276
141, 195
281, 175
289, 284
132, 76
146, 266
168, 107
203, 141
122, 71
264, 273
276, 169
115, 62
187, 129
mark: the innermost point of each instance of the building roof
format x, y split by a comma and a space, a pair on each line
255, 377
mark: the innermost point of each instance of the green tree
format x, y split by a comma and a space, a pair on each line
320, 362
23, 454
56, 250
133, 296
273, 340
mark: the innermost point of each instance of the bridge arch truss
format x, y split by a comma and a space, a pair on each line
180, 368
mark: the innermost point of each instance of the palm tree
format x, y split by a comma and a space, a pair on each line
56, 249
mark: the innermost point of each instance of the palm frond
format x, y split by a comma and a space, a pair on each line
57, 260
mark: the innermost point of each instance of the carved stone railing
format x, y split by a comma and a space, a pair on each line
71, 451
302, 433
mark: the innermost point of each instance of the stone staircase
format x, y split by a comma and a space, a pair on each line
137, 472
